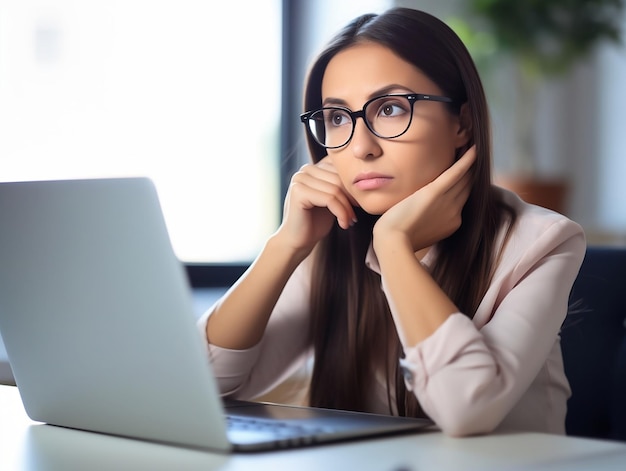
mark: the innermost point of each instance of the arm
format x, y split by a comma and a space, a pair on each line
238, 319
315, 200
468, 377
283, 349
257, 333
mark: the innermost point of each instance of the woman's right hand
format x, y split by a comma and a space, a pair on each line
315, 199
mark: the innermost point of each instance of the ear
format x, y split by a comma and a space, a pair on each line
464, 130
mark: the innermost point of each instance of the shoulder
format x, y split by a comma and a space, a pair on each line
536, 222
539, 232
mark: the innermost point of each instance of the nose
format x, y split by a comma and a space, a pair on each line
364, 144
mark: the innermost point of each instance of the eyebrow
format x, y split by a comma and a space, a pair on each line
386, 90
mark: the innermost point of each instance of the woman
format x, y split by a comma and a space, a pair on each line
419, 287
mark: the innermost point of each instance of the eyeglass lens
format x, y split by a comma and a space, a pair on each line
386, 117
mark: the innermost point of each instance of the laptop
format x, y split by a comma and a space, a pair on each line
97, 318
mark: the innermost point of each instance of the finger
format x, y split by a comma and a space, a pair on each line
309, 198
462, 188
457, 170
469, 156
315, 192
325, 171
326, 164
320, 181
463, 165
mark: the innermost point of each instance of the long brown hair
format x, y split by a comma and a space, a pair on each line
351, 323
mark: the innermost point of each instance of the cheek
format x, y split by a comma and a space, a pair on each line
437, 133
418, 179
426, 166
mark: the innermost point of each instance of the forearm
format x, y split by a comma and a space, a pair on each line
418, 304
239, 320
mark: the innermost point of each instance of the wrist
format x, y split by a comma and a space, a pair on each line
282, 250
391, 243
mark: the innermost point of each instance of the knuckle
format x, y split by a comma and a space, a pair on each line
295, 187
297, 176
336, 192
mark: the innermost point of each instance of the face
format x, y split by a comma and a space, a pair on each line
377, 172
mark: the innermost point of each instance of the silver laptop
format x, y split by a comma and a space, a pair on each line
97, 318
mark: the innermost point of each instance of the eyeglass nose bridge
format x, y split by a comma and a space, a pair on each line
360, 114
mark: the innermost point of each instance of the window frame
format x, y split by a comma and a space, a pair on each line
221, 275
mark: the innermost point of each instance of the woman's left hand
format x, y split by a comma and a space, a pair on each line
433, 212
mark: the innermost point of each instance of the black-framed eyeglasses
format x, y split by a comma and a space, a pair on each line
386, 116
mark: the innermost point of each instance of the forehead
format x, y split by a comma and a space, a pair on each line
360, 71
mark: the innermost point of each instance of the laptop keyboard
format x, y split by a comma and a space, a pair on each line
285, 432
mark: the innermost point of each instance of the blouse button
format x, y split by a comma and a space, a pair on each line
407, 368
407, 373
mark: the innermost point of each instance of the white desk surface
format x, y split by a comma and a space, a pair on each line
26, 445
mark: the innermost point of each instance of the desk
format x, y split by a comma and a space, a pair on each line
26, 445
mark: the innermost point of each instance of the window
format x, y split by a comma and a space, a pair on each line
186, 92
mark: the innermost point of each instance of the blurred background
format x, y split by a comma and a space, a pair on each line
204, 98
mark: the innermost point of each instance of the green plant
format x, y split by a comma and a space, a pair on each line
546, 36
541, 39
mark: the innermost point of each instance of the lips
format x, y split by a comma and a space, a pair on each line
371, 181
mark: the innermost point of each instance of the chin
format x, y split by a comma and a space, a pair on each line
375, 209
377, 204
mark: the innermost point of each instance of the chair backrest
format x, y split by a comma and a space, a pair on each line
593, 339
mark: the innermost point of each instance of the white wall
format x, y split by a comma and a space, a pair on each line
611, 132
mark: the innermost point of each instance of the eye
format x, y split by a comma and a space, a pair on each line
335, 117
392, 108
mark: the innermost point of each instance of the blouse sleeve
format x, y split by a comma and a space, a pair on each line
246, 374
467, 377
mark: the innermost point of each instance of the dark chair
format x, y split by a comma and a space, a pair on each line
593, 339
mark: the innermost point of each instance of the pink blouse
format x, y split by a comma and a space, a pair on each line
501, 370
